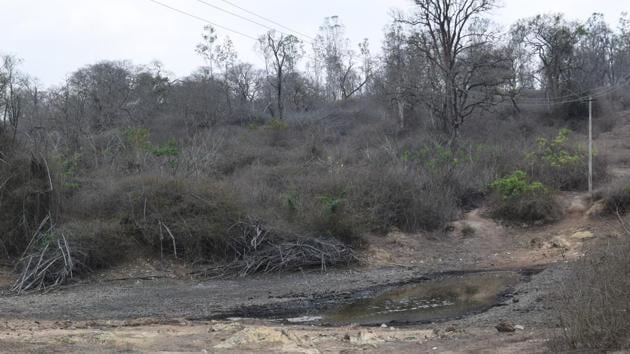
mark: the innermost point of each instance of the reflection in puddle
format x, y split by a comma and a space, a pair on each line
428, 301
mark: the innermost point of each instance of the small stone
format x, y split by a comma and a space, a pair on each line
560, 242
451, 329
583, 235
346, 337
505, 327
519, 328
383, 325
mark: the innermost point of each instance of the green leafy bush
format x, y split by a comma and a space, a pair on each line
516, 198
138, 138
560, 165
516, 186
170, 149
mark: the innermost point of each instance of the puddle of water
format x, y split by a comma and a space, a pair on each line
426, 302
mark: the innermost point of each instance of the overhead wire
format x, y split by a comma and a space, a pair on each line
566, 98
235, 14
582, 97
203, 19
267, 19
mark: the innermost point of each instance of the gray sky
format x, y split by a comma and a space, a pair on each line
55, 37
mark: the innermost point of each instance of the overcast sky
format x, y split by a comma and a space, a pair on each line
55, 37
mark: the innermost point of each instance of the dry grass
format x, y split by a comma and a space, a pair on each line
616, 195
530, 208
593, 307
25, 199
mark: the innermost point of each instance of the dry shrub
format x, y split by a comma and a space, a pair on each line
593, 306
202, 223
405, 198
530, 209
190, 219
101, 244
186, 219
25, 199
616, 195
317, 203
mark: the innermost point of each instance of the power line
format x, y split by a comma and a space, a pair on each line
582, 97
563, 99
235, 14
571, 95
597, 93
202, 19
267, 19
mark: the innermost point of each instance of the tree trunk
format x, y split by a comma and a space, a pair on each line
279, 93
401, 113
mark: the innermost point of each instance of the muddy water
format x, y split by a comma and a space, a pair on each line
428, 301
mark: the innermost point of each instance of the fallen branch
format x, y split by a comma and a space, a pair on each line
258, 252
48, 261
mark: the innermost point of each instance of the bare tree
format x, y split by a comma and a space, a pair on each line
13, 85
281, 54
521, 71
451, 34
207, 48
594, 54
344, 77
352, 80
403, 73
620, 47
106, 90
245, 81
226, 58
553, 41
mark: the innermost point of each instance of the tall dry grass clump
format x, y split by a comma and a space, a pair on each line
593, 308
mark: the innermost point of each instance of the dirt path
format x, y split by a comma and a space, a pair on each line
250, 336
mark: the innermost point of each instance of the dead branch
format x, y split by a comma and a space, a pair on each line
48, 262
259, 252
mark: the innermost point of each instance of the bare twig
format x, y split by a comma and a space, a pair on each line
259, 253
172, 238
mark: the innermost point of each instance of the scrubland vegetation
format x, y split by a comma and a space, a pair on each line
236, 170
595, 313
